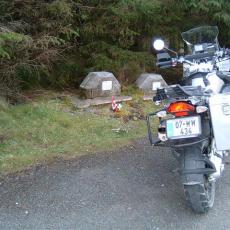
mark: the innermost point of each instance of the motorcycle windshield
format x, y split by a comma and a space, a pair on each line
199, 35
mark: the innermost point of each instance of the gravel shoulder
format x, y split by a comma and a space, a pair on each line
135, 187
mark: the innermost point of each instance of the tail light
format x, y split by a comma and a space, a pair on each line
181, 108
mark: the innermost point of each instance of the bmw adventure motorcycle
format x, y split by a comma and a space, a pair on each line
194, 119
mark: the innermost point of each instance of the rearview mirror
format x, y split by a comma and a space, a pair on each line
158, 44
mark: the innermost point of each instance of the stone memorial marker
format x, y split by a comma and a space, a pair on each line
149, 83
100, 84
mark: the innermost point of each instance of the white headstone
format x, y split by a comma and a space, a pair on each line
150, 82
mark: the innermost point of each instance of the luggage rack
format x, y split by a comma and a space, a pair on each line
178, 92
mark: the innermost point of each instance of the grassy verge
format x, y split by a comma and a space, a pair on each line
39, 131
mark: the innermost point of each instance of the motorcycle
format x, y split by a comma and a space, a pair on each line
194, 119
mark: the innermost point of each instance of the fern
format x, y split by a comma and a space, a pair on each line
69, 33
4, 54
60, 9
9, 42
47, 42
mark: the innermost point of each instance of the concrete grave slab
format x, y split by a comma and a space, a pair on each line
149, 83
81, 103
100, 84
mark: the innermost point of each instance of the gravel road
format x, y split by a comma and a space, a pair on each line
133, 188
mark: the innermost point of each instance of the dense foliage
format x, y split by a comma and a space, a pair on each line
56, 42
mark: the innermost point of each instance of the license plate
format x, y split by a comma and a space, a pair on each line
183, 127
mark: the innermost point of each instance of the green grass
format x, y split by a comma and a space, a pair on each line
47, 128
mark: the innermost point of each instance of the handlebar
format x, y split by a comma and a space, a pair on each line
164, 64
199, 56
188, 59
